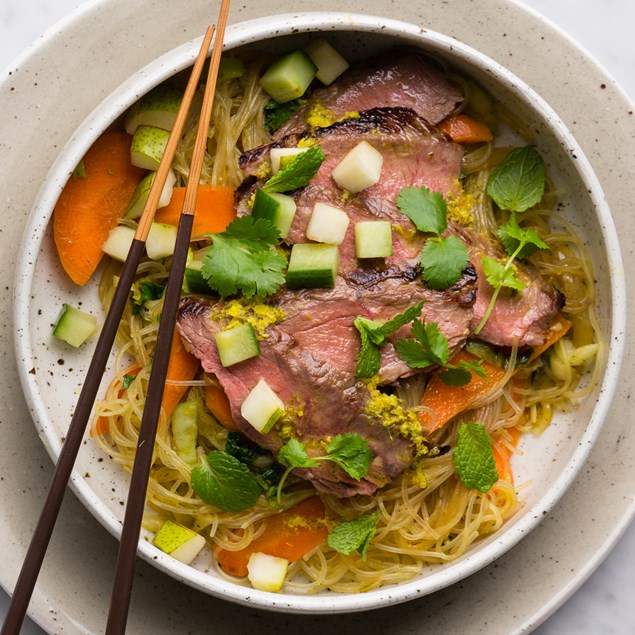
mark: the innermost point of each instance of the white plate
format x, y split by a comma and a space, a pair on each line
581, 119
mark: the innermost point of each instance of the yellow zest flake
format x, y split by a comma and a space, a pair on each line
460, 206
417, 474
307, 142
408, 234
320, 117
297, 521
286, 426
259, 315
262, 172
351, 114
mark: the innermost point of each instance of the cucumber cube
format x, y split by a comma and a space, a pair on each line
359, 169
280, 156
329, 62
289, 76
74, 326
373, 239
277, 208
194, 280
265, 572
230, 68
147, 147
237, 344
328, 224
262, 407
161, 241
118, 243
313, 266
157, 108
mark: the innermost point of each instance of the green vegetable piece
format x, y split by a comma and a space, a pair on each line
230, 68
278, 209
289, 76
354, 535
352, 453
426, 209
74, 326
519, 242
237, 344
455, 376
498, 275
278, 114
313, 266
127, 381
147, 147
297, 172
185, 430
293, 454
244, 258
226, 483
427, 347
443, 261
80, 170
518, 182
473, 457
241, 448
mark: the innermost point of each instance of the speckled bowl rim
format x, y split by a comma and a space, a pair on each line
247, 33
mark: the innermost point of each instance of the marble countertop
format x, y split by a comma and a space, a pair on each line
603, 604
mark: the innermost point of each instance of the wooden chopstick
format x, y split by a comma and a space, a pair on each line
42, 534
122, 587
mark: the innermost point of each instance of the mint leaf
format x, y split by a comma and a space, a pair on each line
369, 359
473, 457
518, 182
427, 210
443, 261
401, 319
518, 241
243, 258
297, 172
127, 380
226, 483
277, 114
498, 275
293, 454
352, 453
352, 535
428, 346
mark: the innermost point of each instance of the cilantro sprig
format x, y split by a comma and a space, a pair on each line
428, 346
352, 535
297, 172
518, 243
373, 335
349, 451
443, 258
473, 457
244, 258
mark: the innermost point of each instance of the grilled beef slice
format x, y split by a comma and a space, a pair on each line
402, 78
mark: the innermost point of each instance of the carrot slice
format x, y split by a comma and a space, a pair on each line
218, 404
214, 209
462, 128
183, 366
445, 402
290, 534
502, 455
90, 205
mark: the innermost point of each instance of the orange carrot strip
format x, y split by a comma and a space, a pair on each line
90, 206
214, 209
183, 366
462, 128
291, 535
100, 425
218, 404
502, 455
446, 401
559, 328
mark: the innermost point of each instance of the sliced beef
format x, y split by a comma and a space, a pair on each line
404, 78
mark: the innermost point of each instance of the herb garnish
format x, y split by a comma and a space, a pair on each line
225, 482
473, 457
145, 292
374, 334
352, 535
518, 182
127, 380
277, 114
244, 258
443, 259
349, 451
428, 346
297, 172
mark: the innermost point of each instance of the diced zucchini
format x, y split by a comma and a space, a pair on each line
147, 147
185, 430
237, 344
265, 572
74, 326
329, 62
359, 169
280, 156
157, 108
118, 243
289, 76
230, 68
142, 191
178, 541
277, 208
312, 266
262, 407
373, 239
161, 241
194, 279
328, 224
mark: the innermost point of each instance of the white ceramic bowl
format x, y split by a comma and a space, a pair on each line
52, 375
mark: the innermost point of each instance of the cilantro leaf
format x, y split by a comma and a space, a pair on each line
226, 483
473, 457
499, 275
277, 114
518, 241
427, 210
443, 261
401, 319
297, 172
293, 454
475, 367
428, 346
352, 535
244, 258
127, 380
352, 453
518, 182
455, 376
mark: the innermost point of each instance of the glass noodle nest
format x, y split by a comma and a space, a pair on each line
417, 525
